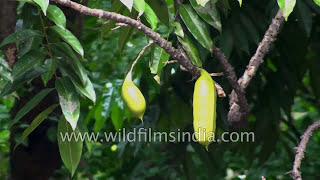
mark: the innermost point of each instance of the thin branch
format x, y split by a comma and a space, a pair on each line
174, 53
216, 74
141, 53
296, 173
219, 90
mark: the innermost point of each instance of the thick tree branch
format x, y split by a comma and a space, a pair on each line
174, 53
295, 173
232, 79
237, 116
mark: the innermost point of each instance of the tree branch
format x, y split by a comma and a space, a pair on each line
237, 116
295, 173
174, 53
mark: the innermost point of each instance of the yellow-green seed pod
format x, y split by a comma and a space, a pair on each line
133, 98
204, 109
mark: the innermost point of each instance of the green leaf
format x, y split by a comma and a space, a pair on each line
178, 29
191, 50
202, 2
69, 100
209, 13
151, 17
20, 80
86, 90
29, 44
317, 2
20, 36
117, 116
31, 59
4, 73
104, 108
197, 28
161, 10
67, 36
70, 149
43, 5
83, 83
286, 7
158, 59
124, 37
56, 15
30, 105
305, 17
5, 64
35, 123
240, 2
140, 6
127, 3
51, 65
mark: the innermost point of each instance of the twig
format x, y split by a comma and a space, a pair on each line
216, 74
219, 90
165, 45
140, 54
295, 173
119, 25
170, 62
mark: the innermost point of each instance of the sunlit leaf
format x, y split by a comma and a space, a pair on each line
286, 7
140, 6
202, 2
158, 59
69, 100
127, 3
43, 5
178, 29
56, 15
317, 2
151, 17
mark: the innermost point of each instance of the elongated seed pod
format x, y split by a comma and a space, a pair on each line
204, 109
133, 97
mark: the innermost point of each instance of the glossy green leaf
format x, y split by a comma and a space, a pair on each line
56, 15
35, 123
5, 64
33, 102
127, 3
191, 50
67, 36
117, 116
317, 2
70, 149
286, 7
69, 100
29, 44
78, 74
197, 28
140, 6
87, 90
31, 59
202, 2
151, 17
209, 13
158, 59
51, 65
10, 87
161, 9
43, 5
178, 29
20, 36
